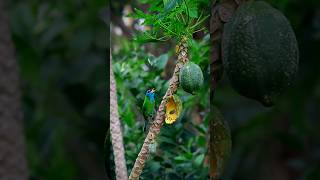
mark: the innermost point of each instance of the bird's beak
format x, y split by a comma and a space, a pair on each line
153, 90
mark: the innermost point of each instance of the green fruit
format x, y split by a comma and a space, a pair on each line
191, 77
260, 52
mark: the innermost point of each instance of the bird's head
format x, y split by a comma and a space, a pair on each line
150, 94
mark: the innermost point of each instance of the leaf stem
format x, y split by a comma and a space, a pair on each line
166, 28
187, 11
199, 22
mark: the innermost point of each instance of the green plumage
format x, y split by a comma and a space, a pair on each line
148, 108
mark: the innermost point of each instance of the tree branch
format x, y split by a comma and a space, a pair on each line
115, 130
160, 116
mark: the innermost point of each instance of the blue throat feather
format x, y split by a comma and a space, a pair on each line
150, 95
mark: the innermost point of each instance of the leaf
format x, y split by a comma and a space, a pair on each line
56, 28
202, 141
199, 159
161, 61
146, 37
193, 11
128, 117
167, 140
171, 4
155, 166
138, 14
188, 155
180, 158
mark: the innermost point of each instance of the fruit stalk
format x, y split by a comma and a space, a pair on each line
154, 130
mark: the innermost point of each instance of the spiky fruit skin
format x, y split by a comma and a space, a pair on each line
191, 77
260, 52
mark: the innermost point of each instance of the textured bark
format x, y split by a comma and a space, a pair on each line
221, 12
12, 147
115, 130
160, 116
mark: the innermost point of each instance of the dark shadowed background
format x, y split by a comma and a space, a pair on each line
60, 47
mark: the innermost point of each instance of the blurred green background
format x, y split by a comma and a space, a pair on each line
282, 142
61, 51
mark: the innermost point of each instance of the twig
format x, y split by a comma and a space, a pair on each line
115, 130
160, 116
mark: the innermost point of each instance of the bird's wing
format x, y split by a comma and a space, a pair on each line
145, 108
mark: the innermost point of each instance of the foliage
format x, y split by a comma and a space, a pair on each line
268, 143
171, 19
60, 48
182, 145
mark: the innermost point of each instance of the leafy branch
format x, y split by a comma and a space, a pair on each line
171, 19
160, 115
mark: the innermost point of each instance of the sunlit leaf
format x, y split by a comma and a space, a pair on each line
171, 4
199, 159
193, 11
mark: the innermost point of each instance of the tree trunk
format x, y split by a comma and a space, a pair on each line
115, 130
12, 147
221, 13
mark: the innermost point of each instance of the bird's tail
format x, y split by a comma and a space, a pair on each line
145, 126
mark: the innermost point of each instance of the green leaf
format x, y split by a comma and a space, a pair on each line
199, 159
180, 158
167, 140
202, 141
155, 166
161, 61
138, 14
146, 37
171, 4
193, 11
189, 155
128, 117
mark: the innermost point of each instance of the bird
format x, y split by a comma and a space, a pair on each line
148, 108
